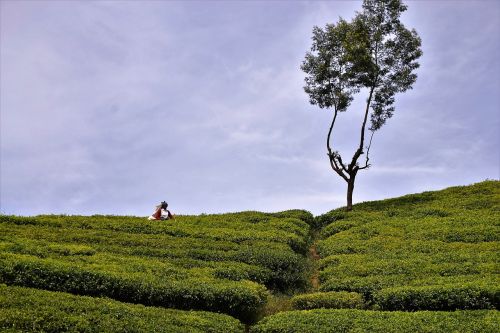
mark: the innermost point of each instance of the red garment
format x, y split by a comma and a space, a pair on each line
157, 214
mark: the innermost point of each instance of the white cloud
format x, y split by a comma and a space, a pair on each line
107, 107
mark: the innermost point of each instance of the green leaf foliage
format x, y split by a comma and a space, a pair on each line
349, 320
328, 300
33, 310
220, 262
439, 297
428, 251
241, 299
375, 51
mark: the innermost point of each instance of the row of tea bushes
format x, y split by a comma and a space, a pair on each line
328, 300
290, 231
273, 264
101, 257
439, 297
365, 265
243, 220
209, 262
241, 299
370, 285
33, 310
350, 320
428, 251
452, 202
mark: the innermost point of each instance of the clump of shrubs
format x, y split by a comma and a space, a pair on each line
438, 297
32, 310
327, 218
240, 299
328, 300
353, 320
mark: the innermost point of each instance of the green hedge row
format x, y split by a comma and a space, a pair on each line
361, 266
388, 234
287, 267
328, 300
384, 248
32, 310
479, 196
241, 299
364, 285
344, 320
241, 221
279, 267
272, 264
183, 267
321, 221
369, 285
334, 228
292, 232
302, 215
432, 247
438, 297
289, 231
105, 238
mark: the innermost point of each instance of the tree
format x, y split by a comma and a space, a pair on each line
375, 53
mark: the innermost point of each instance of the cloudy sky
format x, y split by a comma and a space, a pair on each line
111, 107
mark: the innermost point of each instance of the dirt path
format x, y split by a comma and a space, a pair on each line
314, 257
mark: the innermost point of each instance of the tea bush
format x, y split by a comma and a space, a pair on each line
205, 262
241, 299
328, 300
27, 309
439, 297
350, 320
424, 251
428, 251
270, 263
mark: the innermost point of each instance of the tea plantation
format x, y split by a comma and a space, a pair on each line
220, 263
425, 263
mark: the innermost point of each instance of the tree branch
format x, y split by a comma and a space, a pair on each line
342, 163
333, 156
336, 168
330, 133
367, 153
359, 151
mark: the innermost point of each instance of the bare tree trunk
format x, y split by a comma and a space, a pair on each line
353, 167
350, 190
348, 173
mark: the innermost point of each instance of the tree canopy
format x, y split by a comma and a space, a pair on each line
373, 51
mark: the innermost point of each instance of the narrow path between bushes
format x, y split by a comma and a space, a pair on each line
313, 253
314, 258
278, 302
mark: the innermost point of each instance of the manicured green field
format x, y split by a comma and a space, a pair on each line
27, 309
358, 321
219, 263
436, 251
426, 262
428, 251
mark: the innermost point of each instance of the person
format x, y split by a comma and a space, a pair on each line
161, 212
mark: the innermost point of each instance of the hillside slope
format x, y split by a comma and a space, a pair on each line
403, 253
221, 263
424, 262
433, 251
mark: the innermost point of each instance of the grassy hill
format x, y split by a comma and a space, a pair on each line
425, 262
433, 252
